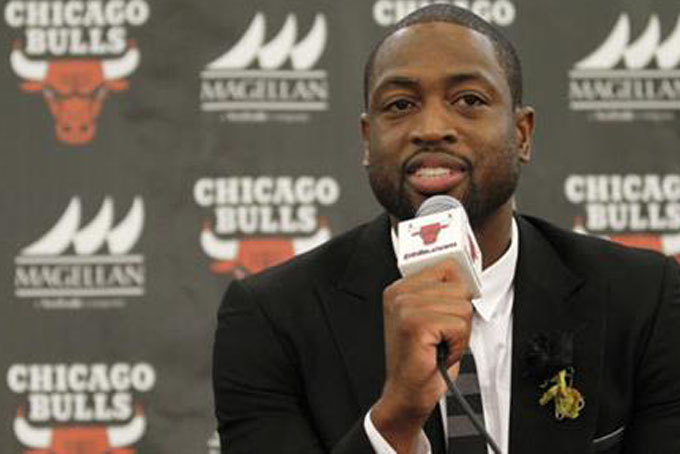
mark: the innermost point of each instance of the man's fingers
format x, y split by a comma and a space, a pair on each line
444, 271
443, 292
429, 328
437, 303
443, 276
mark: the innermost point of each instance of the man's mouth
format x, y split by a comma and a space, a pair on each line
435, 173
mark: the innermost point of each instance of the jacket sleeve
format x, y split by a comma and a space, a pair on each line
655, 426
259, 395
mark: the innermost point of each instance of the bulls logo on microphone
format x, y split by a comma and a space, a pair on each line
430, 232
440, 231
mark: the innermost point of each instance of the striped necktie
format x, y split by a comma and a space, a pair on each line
463, 436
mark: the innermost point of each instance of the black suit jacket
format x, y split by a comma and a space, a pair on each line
299, 349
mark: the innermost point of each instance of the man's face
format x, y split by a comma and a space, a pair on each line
440, 120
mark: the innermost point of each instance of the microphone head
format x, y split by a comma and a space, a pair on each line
437, 204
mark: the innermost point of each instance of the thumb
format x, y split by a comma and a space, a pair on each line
454, 371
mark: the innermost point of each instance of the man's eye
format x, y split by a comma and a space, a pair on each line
399, 105
471, 100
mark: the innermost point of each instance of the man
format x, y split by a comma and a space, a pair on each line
335, 352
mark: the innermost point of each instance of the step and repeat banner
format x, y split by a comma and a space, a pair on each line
152, 151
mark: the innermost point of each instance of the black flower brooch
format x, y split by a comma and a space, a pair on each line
549, 359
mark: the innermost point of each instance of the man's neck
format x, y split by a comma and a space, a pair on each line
494, 233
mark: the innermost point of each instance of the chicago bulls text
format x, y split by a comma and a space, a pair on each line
80, 392
633, 203
75, 27
267, 205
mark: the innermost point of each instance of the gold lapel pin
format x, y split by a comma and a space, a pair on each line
568, 400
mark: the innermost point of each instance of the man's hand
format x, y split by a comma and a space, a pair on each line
420, 311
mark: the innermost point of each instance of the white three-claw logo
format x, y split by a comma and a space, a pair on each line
87, 240
272, 55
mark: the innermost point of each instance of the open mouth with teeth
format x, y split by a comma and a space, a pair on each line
432, 172
431, 175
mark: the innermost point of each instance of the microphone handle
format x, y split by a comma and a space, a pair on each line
442, 352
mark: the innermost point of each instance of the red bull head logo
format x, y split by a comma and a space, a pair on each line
80, 439
75, 89
666, 243
429, 233
256, 255
245, 256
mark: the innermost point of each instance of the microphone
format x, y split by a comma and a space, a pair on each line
439, 231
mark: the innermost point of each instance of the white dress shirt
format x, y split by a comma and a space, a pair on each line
491, 345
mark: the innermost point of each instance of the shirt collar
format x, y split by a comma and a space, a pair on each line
496, 279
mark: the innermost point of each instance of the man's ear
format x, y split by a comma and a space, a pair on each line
524, 131
365, 134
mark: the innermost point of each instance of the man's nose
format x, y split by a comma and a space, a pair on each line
434, 125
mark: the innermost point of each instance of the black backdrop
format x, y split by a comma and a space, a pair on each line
154, 150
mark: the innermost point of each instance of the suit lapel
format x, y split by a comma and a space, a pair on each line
549, 297
354, 310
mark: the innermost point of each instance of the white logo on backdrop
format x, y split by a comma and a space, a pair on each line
283, 85
79, 404
498, 12
100, 266
90, 238
272, 55
260, 221
617, 46
630, 77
